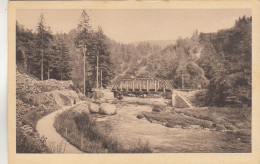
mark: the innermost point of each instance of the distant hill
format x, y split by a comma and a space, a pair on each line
162, 43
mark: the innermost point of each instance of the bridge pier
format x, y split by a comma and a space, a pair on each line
126, 85
140, 85
121, 86
155, 85
147, 85
133, 85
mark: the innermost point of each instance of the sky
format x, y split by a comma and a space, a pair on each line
133, 25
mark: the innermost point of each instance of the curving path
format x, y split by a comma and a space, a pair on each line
55, 142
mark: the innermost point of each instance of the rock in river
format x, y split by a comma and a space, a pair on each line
93, 108
107, 109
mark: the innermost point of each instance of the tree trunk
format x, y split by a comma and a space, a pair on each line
182, 81
81, 141
97, 71
42, 66
84, 65
48, 73
25, 61
101, 78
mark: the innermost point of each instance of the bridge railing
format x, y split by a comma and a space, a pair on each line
143, 84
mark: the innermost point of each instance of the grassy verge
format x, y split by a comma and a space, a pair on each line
80, 130
237, 120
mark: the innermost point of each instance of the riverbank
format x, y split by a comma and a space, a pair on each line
225, 119
80, 129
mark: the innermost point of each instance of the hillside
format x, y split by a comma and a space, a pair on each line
35, 99
161, 43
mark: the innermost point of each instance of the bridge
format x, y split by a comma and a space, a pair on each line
142, 84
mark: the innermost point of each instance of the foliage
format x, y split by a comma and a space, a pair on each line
226, 59
28, 144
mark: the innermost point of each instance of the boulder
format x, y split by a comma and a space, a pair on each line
93, 108
131, 95
107, 109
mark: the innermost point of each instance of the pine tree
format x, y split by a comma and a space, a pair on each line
24, 46
83, 42
43, 44
64, 59
99, 60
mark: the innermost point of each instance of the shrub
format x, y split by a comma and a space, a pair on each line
31, 118
28, 144
158, 108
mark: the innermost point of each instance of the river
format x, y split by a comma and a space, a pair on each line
128, 130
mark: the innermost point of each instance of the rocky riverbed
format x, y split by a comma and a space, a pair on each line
129, 130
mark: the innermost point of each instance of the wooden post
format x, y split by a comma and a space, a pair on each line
126, 85
163, 87
121, 86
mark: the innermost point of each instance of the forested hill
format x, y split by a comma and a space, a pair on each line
161, 43
219, 62
170, 63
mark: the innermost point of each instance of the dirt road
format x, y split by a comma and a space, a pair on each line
54, 141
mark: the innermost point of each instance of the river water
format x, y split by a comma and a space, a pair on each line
128, 130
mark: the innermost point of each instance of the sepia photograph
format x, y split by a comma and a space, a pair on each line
133, 81
121, 82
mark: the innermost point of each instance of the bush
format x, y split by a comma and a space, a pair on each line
158, 108
31, 118
28, 144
